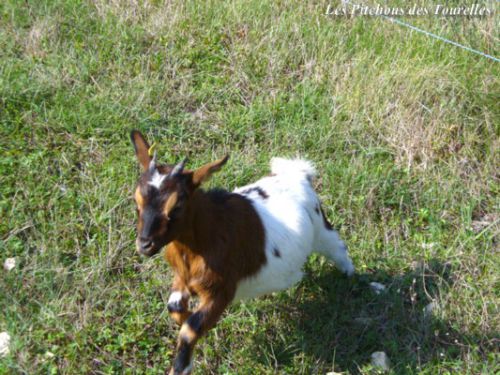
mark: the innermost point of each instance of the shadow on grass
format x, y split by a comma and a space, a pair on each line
338, 323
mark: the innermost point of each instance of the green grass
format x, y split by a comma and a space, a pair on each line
403, 129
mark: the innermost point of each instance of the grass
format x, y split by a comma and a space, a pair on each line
403, 129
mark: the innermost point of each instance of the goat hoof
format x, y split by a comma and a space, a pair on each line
348, 270
172, 371
350, 273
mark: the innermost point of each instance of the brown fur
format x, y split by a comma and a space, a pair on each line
139, 199
207, 259
217, 241
141, 147
170, 203
208, 245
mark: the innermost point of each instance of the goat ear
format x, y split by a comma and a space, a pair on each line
202, 174
141, 147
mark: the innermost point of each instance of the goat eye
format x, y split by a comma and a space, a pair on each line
172, 214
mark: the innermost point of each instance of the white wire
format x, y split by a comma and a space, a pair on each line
432, 35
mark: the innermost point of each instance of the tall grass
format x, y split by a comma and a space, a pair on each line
403, 129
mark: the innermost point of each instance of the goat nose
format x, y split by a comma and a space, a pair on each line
145, 243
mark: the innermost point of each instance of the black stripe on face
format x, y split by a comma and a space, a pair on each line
150, 222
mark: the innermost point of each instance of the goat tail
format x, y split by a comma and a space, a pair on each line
293, 167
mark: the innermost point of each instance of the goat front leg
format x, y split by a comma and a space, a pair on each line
205, 317
178, 302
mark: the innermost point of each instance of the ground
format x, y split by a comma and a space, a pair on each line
403, 130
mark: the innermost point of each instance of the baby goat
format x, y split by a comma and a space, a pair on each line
224, 246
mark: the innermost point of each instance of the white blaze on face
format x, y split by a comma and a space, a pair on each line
157, 179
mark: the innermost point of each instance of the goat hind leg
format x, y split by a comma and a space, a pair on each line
329, 244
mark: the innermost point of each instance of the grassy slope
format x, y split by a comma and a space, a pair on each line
403, 129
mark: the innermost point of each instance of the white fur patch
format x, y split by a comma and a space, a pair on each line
157, 179
175, 297
293, 226
299, 167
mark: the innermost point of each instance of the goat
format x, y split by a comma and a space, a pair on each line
225, 246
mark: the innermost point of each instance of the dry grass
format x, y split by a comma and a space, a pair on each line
403, 129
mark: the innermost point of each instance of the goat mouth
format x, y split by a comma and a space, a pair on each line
148, 251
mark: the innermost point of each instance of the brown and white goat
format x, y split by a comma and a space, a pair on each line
224, 246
